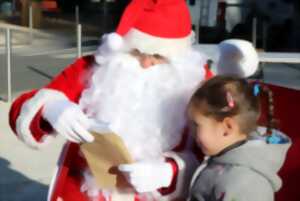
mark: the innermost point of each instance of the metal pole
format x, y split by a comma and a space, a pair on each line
77, 14
30, 24
197, 32
265, 34
79, 43
14, 6
254, 31
8, 62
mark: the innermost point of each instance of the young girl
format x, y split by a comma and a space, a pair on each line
242, 160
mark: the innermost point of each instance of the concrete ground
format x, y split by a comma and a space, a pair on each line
24, 173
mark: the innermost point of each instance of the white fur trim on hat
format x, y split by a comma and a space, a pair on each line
187, 164
237, 57
28, 112
168, 47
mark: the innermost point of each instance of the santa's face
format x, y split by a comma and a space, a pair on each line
143, 97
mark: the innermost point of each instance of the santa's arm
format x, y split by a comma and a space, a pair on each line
184, 159
25, 114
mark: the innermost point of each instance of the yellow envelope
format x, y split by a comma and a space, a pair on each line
103, 156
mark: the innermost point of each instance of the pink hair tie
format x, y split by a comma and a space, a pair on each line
230, 100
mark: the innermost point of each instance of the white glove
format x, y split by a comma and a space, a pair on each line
68, 120
148, 176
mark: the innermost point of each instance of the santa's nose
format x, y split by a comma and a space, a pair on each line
147, 61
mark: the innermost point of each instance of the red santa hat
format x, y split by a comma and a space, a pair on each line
155, 27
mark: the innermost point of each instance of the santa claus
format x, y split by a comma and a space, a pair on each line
137, 84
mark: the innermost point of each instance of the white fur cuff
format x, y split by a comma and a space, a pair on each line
187, 163
28, 111
168, 47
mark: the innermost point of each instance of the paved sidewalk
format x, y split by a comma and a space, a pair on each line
53, 35
24, 173
20, 36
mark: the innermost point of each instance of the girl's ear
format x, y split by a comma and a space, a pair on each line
230, 126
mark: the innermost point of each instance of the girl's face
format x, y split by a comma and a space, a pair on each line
208, 133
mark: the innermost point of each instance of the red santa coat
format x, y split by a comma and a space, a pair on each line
30, 127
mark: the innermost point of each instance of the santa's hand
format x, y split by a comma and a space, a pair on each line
68, 120
148, 176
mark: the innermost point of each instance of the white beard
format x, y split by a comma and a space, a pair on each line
145, 107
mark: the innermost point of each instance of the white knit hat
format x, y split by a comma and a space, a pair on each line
237, 57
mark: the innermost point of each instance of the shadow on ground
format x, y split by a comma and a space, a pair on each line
14, 186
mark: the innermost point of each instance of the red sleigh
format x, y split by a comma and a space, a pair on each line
286, 110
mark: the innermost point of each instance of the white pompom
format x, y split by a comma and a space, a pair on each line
114, 41
110, 44
237, 57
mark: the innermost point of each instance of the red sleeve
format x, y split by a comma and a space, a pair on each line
25, 117
72, 80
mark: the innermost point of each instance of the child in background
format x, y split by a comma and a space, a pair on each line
242, 160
